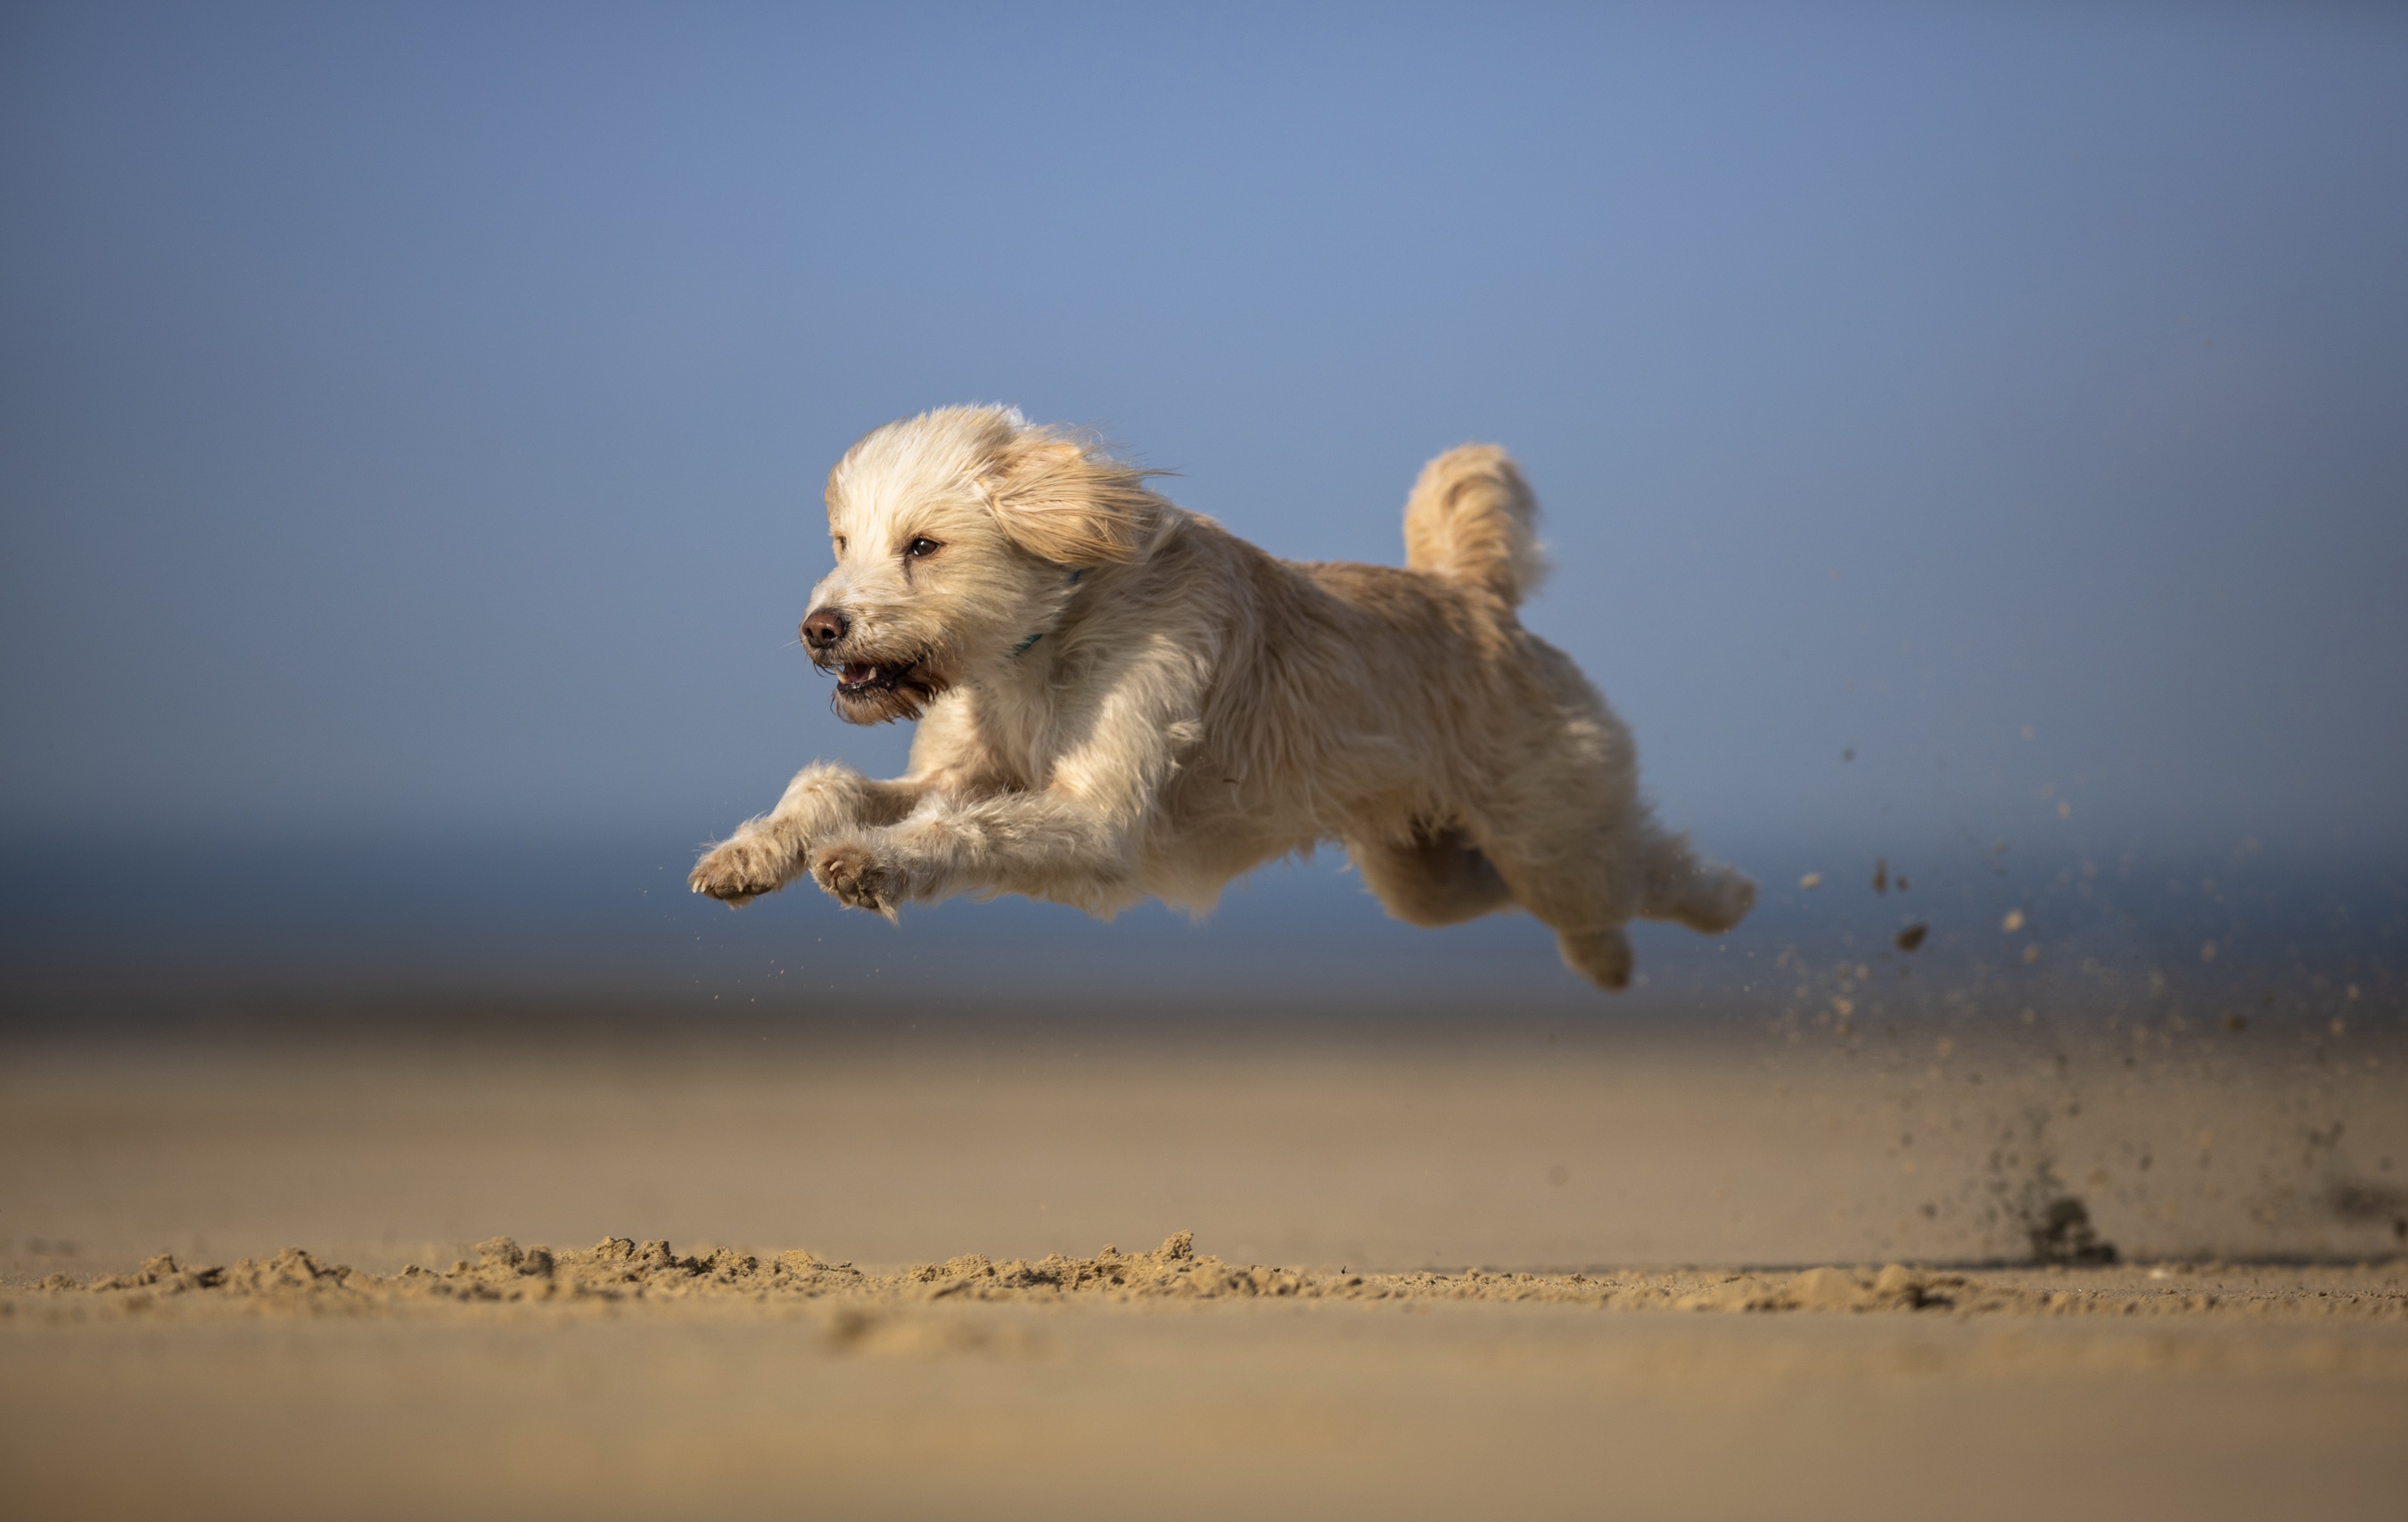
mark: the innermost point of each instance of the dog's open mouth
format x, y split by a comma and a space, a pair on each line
859, 679
877, 691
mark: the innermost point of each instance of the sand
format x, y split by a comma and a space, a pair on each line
618, 1275
1509, 1270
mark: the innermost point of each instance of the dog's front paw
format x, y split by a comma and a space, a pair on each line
739, 870
858, 878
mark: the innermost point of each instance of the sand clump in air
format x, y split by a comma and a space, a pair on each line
618, 1274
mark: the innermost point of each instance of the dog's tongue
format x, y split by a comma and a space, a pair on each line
856, 672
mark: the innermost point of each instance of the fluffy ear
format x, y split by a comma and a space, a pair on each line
1063, 501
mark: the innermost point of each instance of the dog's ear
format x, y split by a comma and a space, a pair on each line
1065, 502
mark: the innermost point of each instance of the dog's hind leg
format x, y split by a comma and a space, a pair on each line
1437, 878
1586, 882
1577, 877
1704, 896
1602, 956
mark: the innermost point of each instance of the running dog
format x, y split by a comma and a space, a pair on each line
1119, 699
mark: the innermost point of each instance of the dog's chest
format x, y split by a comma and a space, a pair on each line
1021, 734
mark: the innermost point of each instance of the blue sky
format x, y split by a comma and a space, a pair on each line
413, 417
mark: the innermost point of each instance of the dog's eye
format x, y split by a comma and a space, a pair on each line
840, 544
922, 549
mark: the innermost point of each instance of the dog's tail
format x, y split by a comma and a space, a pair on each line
1471, 519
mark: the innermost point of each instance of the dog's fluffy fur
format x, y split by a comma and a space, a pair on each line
1119, 699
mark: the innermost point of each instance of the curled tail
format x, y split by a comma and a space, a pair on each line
1471, 519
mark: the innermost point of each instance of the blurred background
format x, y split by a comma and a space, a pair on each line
1971, 440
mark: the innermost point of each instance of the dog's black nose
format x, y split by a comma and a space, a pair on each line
824, 627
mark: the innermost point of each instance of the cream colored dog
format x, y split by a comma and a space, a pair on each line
1119, 699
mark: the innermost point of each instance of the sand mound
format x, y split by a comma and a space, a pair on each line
618, 1272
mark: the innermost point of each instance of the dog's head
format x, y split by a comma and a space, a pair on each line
959, 535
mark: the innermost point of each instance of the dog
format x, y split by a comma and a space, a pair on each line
1119, 699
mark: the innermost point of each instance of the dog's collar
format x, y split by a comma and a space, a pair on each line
1022, 647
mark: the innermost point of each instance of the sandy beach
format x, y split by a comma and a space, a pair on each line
518, 1268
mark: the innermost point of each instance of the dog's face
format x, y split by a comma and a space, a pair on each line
957, 534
